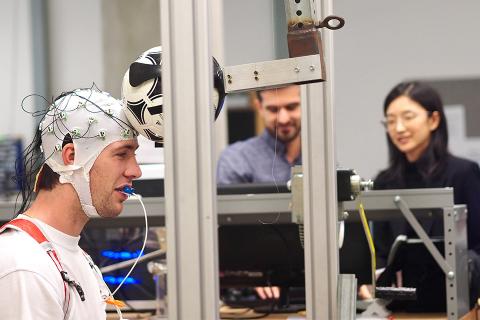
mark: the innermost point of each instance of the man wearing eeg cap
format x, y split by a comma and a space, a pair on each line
89, 150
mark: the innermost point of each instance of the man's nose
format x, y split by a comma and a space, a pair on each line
283, 116
134, 170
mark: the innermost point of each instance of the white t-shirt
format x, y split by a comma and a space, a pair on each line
31, 286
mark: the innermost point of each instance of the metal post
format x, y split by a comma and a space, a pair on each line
189, 176
456, 256
40, 47
320, 203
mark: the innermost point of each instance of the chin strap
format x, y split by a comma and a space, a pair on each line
82, 186
79, 178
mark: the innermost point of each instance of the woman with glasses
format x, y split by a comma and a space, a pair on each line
419, 158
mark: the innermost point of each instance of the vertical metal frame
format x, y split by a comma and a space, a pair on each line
190, 191
450, 283
456, 282
41, 77
320, 199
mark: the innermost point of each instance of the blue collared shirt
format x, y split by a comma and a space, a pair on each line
258, 159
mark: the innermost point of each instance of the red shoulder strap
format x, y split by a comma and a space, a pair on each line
28, 227
33, 231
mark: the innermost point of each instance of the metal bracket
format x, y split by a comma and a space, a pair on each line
403, 206
271, 74
296, 186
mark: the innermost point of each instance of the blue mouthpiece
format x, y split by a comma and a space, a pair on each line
128, 190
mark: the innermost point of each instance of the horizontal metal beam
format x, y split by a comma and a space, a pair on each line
270, 204
250, 207
271, 74
416, 199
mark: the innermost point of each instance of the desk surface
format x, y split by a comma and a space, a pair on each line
230, 313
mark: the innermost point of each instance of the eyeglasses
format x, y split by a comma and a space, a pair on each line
406, 119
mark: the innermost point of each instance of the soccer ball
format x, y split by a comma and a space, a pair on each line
142, 94
143, 98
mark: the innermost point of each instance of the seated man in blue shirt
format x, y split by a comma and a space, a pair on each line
269, 156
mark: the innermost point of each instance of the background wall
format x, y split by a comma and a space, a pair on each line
249, 34
16, 59
75, 44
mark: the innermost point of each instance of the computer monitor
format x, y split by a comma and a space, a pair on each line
272, 254
260, 255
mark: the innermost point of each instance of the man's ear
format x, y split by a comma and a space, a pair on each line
68, 154
256, 104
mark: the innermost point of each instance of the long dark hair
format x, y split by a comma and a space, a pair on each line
434, 157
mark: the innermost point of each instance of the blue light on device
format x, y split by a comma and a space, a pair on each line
128, 190
120, 255
116, 280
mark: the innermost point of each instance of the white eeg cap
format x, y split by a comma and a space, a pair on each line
94, 120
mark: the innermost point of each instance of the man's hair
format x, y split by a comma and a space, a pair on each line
259, 92
33, 172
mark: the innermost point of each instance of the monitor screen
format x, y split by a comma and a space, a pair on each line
272, 254
260, 255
